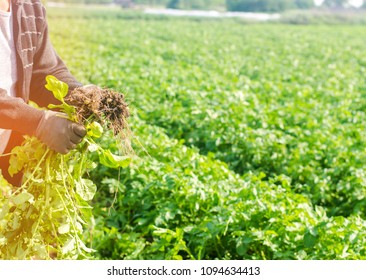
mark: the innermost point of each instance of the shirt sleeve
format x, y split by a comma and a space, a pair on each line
47, 62
18, 116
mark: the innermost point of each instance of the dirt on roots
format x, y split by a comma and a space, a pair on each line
102, 105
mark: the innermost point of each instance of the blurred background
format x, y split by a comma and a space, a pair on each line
295, 11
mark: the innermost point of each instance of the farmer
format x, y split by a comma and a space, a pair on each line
26, 58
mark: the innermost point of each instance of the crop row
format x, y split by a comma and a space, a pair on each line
283, 106
174, 203
273, 99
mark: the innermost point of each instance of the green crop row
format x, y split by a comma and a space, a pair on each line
269, 123
173, 203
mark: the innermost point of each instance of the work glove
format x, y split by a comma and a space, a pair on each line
59, 133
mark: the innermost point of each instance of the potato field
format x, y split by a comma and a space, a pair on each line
249, 139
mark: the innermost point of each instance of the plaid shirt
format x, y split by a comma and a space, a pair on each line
36, 56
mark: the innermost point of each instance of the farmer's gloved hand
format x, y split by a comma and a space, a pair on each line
59, 133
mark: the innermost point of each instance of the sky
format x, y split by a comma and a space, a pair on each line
356, 3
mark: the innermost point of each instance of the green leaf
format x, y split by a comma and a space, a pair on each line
241, 248
3, 182
93, 148
86, 249
65, 228
310, 240
69, 246
86, 189
69, 110
21, 198
58, 88
95, 130
4, 211
113, 161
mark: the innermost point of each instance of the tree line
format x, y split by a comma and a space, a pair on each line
267, 5
248, 5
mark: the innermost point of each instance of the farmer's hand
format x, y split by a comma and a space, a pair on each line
59, 133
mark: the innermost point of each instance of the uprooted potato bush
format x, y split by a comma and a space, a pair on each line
46, 217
